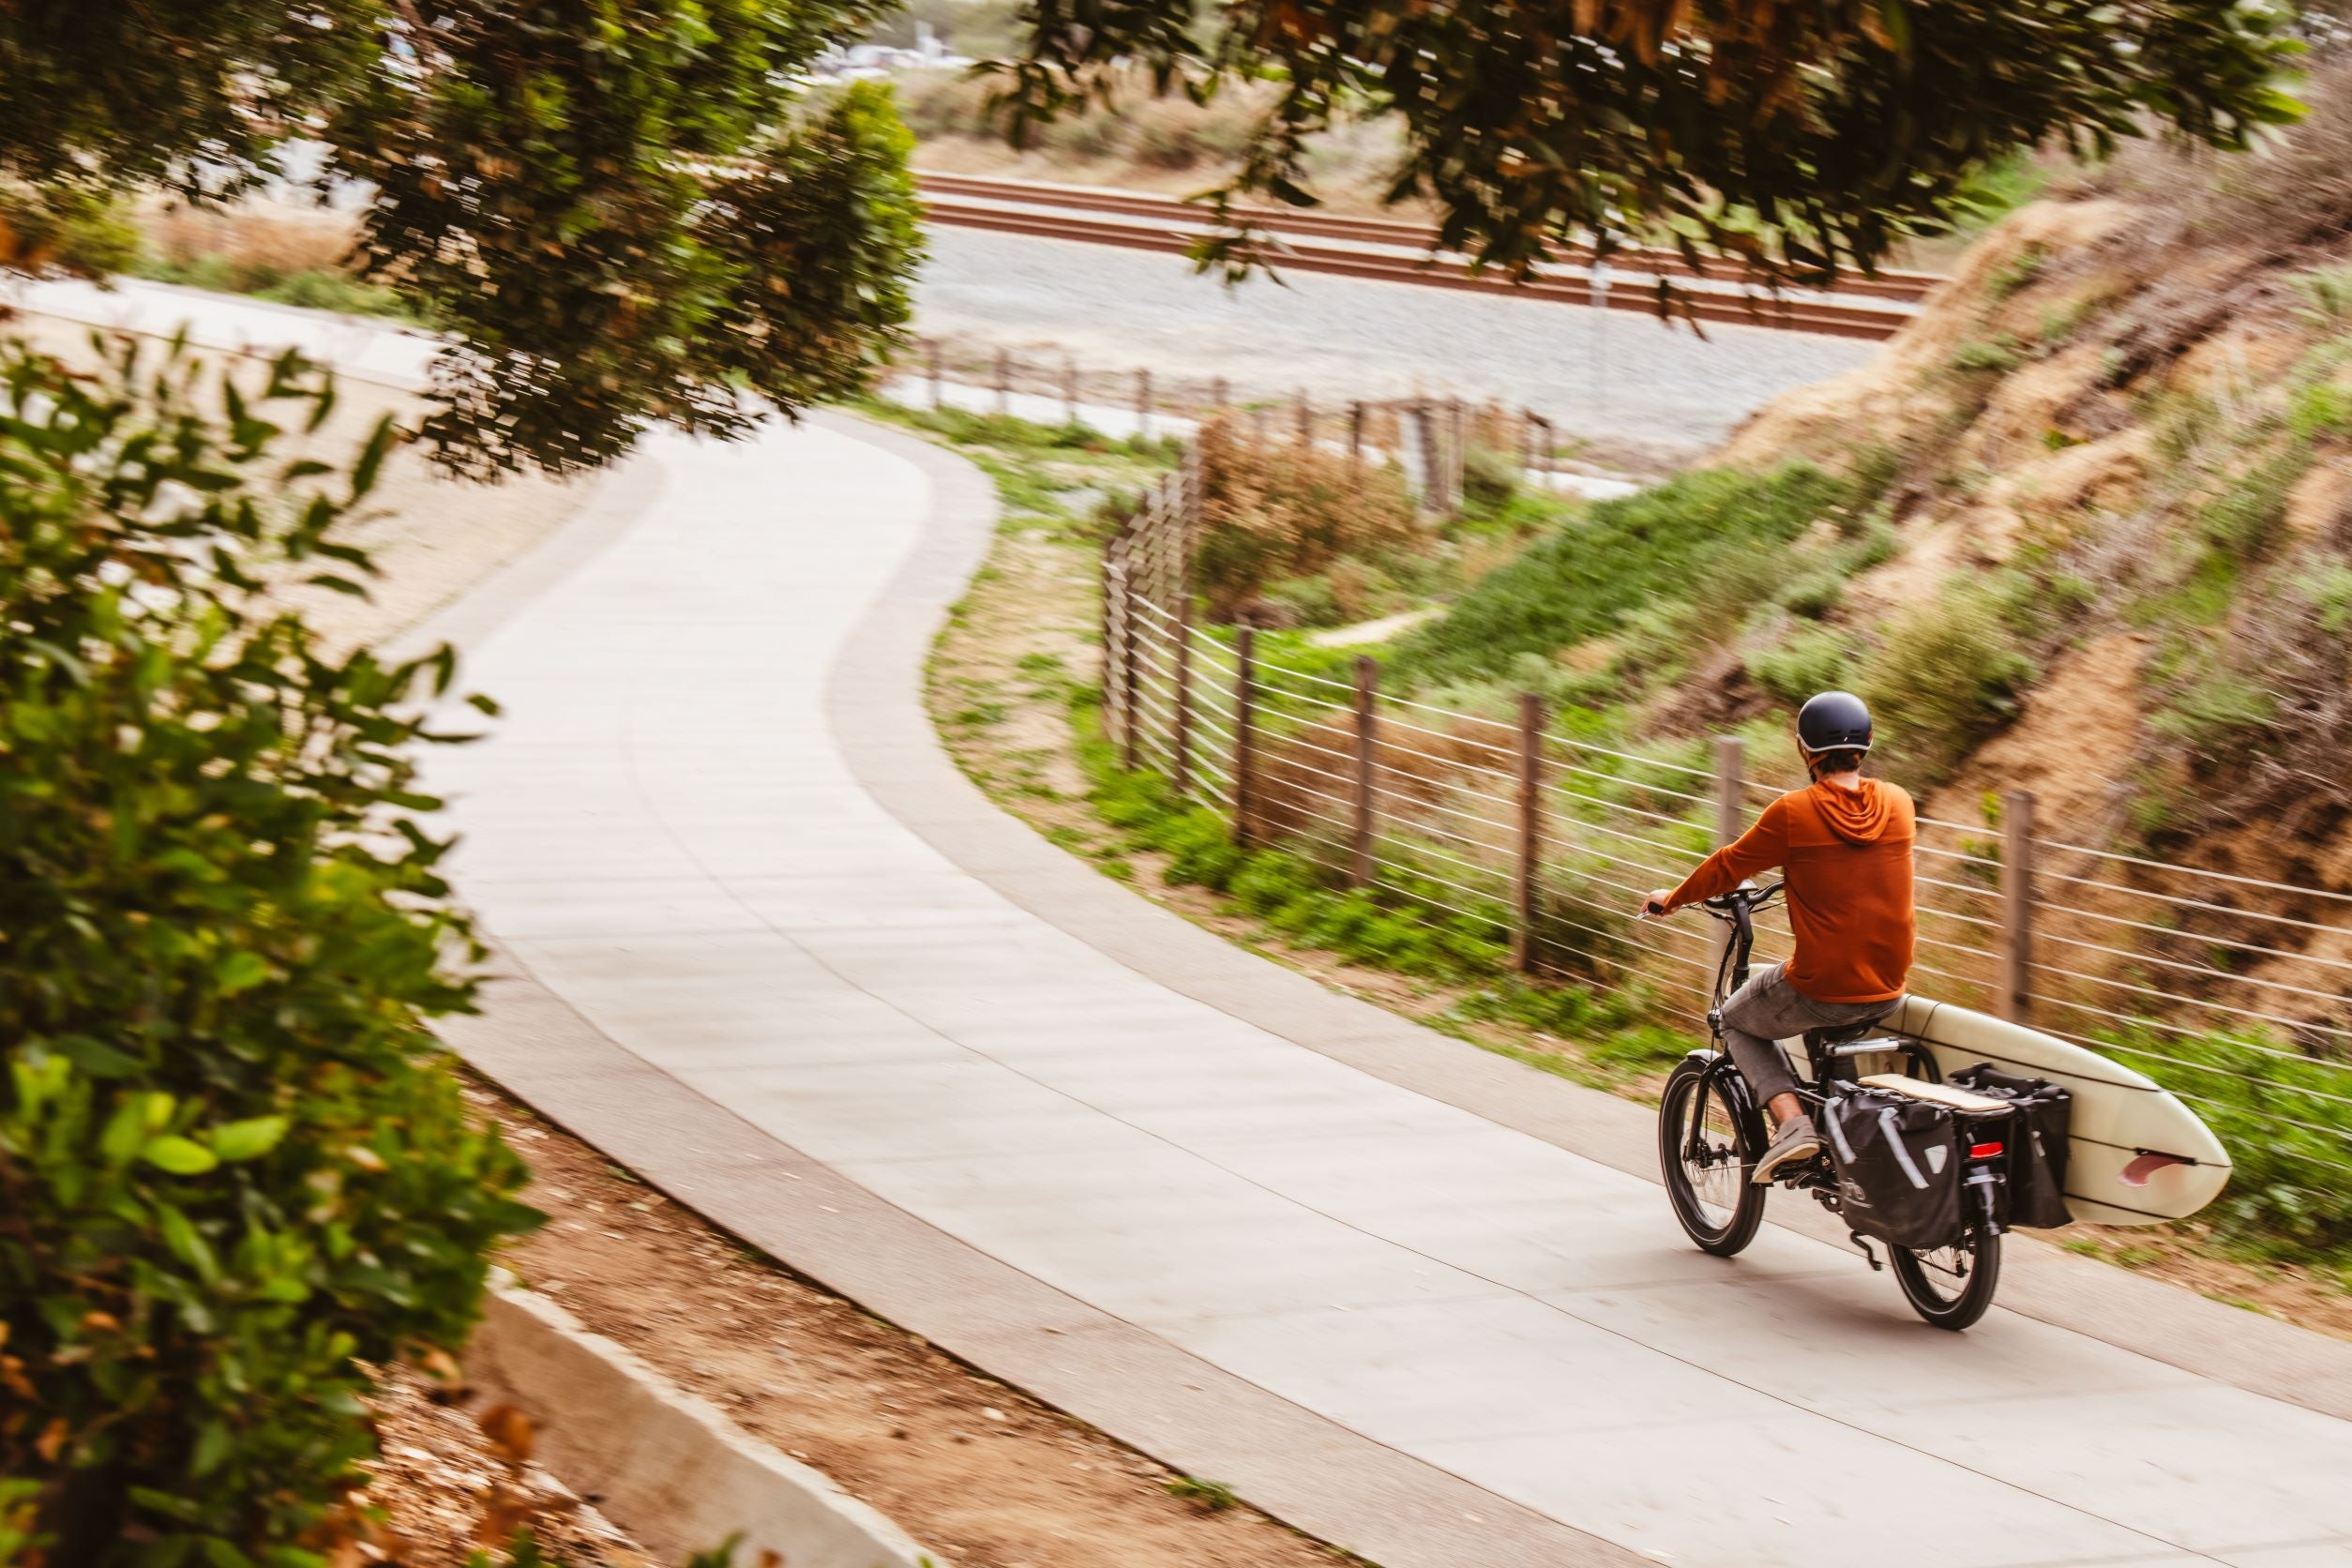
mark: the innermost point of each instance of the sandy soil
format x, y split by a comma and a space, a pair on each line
976, 1470
449, 1486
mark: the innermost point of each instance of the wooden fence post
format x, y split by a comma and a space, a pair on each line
1181, 743
1355, 432
1245, 729
1109, 632
931, 358
1417, 430
1004, 381
1306, 420
1130, 732
1219, 394
1143, 403
1456, 452
1730, 759
1070, 390
1367, 757
2013, 995
1526, 950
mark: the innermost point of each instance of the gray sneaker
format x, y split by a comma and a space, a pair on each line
1795, 1141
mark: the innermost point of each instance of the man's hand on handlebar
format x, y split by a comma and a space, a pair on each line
1654, 905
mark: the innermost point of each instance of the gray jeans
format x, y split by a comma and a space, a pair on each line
1768, 1010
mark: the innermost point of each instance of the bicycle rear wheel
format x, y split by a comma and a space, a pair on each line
1703, 1157
1952, 1287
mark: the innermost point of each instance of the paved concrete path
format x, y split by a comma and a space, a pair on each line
1429, 1335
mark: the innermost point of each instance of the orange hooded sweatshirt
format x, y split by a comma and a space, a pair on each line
1848, 860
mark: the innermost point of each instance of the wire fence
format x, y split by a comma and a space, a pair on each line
1431, 438
2233, 990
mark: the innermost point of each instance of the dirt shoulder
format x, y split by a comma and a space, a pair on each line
976, 1470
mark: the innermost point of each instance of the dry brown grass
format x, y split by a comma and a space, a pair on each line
257, 238
1275, 511
1294, 792
1144, 140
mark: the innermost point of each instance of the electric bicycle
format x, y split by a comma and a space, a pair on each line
1711, 1133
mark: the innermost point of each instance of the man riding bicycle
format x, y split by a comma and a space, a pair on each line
1845, 845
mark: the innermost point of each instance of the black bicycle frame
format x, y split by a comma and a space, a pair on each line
1731, 973
1723, 1076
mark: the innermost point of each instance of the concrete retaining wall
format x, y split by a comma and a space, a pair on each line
667, 1466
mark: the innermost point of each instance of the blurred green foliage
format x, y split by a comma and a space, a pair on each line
1669, 543
1795, 138
1942, 675
232, 1158
621, 211
2285, 1118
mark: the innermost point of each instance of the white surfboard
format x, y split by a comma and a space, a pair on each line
2136, 1155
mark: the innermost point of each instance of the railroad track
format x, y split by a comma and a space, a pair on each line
1396, 251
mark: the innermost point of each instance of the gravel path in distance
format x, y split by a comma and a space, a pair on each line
1622, 376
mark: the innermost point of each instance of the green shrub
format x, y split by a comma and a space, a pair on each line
2019, 271
65, 230
1808, 659
232, 1158
1943, 673
2000, 356
1309, 601
2327, 587
1874, 469
1709, 533
2060, 324
2272, 1109
2245, 520
1490, 478
2327, 295
2217, 715
1814, 595
1998, 188
2321, 410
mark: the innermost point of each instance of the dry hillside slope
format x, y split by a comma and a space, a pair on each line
2125, 430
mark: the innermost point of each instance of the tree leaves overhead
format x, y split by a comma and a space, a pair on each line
1796, 135
559, 183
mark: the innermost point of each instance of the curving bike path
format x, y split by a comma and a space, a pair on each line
767, 947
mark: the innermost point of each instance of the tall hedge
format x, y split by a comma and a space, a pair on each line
232, 1158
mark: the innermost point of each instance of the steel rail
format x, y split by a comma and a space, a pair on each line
1825, 318
1909, 287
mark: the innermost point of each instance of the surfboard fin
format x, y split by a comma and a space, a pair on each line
2146, 1163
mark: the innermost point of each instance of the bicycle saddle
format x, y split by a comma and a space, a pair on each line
1845, 1033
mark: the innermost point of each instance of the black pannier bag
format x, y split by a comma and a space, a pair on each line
2036, 1159
1898, 1167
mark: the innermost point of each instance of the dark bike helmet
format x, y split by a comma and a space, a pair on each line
1833, 721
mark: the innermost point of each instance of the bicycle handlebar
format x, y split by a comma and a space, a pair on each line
1724, 905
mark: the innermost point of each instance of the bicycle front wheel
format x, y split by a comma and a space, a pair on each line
1701, 1155
1953, 1285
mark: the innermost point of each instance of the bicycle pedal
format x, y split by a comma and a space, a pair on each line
1798, 1174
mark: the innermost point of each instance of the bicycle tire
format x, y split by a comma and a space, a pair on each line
1745, 1211
1953, 1310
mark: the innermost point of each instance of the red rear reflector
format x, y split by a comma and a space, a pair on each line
1984, 1151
